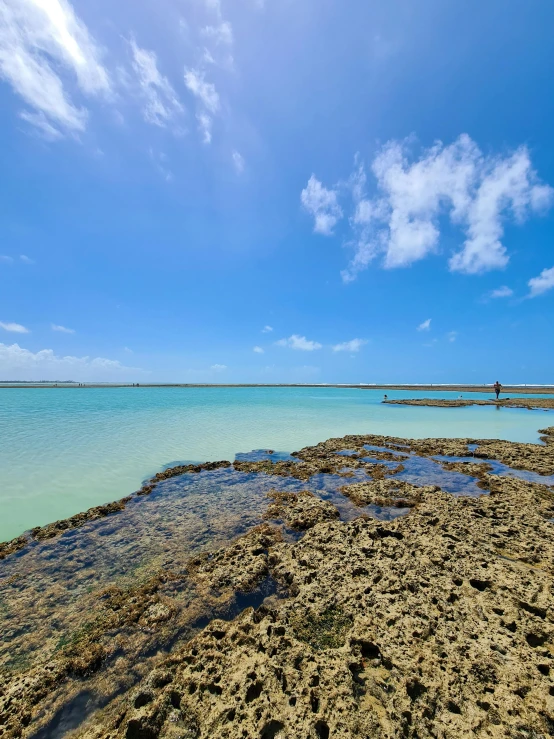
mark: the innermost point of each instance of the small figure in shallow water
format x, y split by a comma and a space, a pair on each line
386, 397
497, 388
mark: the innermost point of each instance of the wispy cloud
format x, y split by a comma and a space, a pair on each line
299, 342
21, 364
222, 33
40, 43
161, 104
425, 326
7, 260
501, 292
401, 222
238, 161
15, 328
350, 346
61, 329
267, 329
218, 367
452, 336
25, 259
258, 350
322, 204
208, 100
541, 284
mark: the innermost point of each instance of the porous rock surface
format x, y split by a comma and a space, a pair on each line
437, 624
532, 457
389, 492
301, 510
529, 403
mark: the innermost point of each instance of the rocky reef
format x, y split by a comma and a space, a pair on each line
437, 623
529, 403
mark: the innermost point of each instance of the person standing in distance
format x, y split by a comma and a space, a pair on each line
497, 388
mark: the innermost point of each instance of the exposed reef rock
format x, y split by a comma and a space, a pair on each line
300, 511
529, 403
386, 493
9, 547
532, 457
548, 435
53, 529
439, 623
475, 469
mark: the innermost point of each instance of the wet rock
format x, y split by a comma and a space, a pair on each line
439, 623
300, 511
40, 533
9, 547
388, 492
529, 403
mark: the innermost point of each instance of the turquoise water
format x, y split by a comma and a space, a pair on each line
65, 450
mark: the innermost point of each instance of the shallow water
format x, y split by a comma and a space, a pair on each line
498, 468
425, 470
183, 516
65, 450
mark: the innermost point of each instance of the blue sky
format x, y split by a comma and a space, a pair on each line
277, 191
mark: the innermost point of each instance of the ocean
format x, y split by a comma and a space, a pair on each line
65, 450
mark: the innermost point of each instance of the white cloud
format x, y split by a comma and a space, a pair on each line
208, 100
205, 123
218, 367
267, 329
220, 34
238, 161
40, 43
401, 223
161, 102
17, 363
425, 326
15, 328
452, 336
258, 350
43, 127
350, 346
4, 258
61, 329
322, 204
204, 91
542, 283
501, 292
299, 342
507, 187
25, 259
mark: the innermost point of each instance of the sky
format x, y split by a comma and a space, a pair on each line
277, 191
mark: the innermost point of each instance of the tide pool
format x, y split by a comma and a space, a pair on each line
65, 450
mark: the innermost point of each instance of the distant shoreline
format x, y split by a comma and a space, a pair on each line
532, 389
